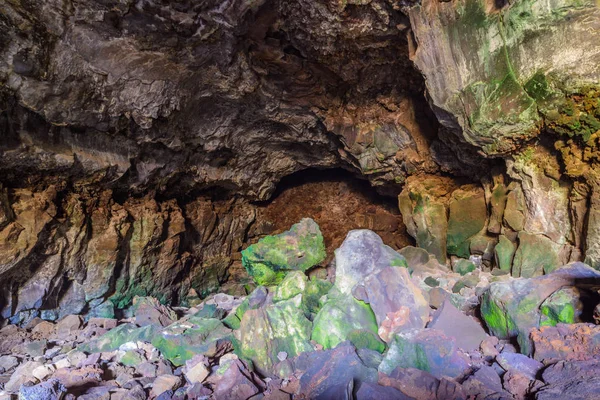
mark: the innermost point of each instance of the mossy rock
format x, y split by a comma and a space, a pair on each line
468, 215
265, 332
342, 318
510, 309
300, 248
177, 342
463, 266
563, 306
504, 253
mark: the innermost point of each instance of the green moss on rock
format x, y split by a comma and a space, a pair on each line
300, 248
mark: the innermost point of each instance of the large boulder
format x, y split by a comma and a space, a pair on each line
511, 309
425, 349
332, 374
266, 332
423, 207
362, 254
468, 216
300, 248
344, 318
391, 292
466, 331
178, 342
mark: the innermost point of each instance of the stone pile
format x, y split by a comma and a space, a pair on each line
391, 325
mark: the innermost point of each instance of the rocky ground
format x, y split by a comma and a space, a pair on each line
377, 324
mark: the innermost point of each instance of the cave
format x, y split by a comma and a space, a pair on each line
299, 199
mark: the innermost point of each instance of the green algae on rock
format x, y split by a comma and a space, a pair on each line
300, 248
563, 306
344, 318
468, 215
511, 309
178, 342
268, 331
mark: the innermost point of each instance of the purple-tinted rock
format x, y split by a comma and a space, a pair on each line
578, 379
370, 391
518, 362
421, 385
362, 254
426, 349
233, 381
389, 291
328, 373
467, 332
49, 390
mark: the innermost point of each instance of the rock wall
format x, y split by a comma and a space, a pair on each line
66, 250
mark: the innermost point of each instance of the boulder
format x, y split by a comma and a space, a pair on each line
504, 253
425, 349
331, 374
361, 254
424, 213
149, 311
575, 342
389, 291
535, 255
21, 375
164, 383
563, 306
177, 342
233, 380
578, 379
519, 363
467, 217
344, 318
278, 327
466, 331
511, 309
256, 299
49, 390
68, 325
300, 248
421, 385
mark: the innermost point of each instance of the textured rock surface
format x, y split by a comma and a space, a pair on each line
512, 309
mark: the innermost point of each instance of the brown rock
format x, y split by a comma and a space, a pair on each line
566, 342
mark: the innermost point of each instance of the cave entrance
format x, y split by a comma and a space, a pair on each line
339, 202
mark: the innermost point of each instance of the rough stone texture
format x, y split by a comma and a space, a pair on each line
478, 60
362, 254
390, 291
577, 378
298, 249
267, 331
344, 318
330, 373
425, 349
577, 342
511, 309
466, 331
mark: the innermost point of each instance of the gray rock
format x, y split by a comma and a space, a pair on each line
467, 332
68, 325
425, 349
519, 362
362, 253
49, 390
8, 362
